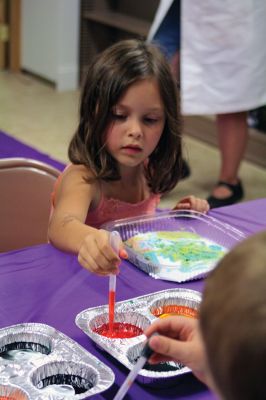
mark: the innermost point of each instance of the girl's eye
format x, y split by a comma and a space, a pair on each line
150, 120
118, 116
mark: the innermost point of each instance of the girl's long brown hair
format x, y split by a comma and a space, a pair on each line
108, 77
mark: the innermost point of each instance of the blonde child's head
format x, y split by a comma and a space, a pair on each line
109, 76
233, 321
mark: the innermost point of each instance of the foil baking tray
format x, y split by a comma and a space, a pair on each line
140, 312
38, 362
176, 245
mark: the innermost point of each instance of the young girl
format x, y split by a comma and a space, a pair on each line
124, 154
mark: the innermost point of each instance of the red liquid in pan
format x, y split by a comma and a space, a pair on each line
7, 394
8, 398
119, 330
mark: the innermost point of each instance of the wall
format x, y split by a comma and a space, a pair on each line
50, 40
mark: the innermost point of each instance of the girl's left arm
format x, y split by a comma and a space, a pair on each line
192, 203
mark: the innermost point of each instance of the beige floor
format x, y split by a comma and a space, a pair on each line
35, 113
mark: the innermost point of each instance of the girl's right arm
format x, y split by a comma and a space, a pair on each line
67, 228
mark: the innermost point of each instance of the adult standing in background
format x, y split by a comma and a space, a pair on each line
220, 48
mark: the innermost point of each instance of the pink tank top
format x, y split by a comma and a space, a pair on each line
111, 209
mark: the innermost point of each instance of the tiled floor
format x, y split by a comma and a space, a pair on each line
35, 113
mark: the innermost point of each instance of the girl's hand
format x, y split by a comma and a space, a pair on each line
97, 255
179, 340
193, 203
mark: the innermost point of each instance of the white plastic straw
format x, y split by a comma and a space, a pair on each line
144, 356
115, 241
112, 283
130, 378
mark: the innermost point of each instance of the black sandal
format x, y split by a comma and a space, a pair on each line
237, 195
185, 170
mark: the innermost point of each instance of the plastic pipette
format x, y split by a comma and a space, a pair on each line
144, 356
115, 241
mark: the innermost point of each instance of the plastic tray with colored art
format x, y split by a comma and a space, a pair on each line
37, 362
125, 341
176, 245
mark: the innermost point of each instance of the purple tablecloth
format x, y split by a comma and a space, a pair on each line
43, 284
11, 147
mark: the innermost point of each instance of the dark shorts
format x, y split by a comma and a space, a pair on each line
168, 35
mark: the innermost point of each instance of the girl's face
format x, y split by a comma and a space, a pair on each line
137, 124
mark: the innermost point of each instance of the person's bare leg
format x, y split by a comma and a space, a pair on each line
175, 68
174, 64
232, 136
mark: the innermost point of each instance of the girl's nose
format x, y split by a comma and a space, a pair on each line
134, 128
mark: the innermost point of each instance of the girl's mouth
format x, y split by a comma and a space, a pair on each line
132, 149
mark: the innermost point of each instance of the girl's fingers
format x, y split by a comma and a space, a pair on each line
97, 262
123, 254
182, 206
87, 262
97, 255
193, 203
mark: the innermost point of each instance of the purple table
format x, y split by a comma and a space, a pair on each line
43, 284
11, 147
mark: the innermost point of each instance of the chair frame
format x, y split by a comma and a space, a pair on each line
26, 187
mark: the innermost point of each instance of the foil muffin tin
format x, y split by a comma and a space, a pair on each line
176, 245
138, 311
12, 392
38, 362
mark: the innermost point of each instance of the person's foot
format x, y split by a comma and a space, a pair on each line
185, 170
225, 194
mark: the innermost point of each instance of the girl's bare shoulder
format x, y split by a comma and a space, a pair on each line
75, 181
77, 173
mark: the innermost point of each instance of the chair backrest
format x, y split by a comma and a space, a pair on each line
25, 190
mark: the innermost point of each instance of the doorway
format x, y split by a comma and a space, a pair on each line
10, 17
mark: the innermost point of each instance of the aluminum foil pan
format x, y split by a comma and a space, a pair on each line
38, 362
12, 392
139, 312
176, 245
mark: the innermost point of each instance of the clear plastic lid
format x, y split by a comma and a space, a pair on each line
176, 245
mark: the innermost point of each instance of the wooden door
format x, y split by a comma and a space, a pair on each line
10, 15
3, 34
15, 34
